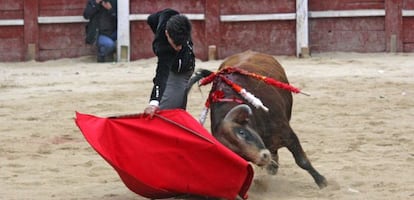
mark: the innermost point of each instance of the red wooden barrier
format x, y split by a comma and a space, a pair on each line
24, 36
62, 40
361, 34
408, 27
12, 46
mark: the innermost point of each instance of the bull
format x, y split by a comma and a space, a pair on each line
254, 134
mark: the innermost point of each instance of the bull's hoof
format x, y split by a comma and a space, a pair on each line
272, 168
321, 181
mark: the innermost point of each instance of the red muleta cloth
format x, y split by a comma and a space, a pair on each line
167, 156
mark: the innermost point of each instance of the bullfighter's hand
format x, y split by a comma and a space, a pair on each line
151, 110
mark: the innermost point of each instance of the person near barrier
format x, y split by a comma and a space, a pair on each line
101, 29
173, 47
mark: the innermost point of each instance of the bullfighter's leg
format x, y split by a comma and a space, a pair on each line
294, 146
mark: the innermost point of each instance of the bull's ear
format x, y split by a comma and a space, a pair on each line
239, 114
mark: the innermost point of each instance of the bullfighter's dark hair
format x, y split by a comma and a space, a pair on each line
179, 29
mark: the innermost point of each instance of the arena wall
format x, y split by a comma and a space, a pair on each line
45, 30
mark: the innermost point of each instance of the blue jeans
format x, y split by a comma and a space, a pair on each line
106, 45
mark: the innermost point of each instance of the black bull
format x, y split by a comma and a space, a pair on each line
255, 134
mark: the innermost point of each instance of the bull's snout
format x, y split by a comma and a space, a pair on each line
264, 157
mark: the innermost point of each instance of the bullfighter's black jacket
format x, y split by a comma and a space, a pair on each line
168, 58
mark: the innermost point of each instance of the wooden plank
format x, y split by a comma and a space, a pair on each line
199, 39
273, 37
61, 36
323, 5
11, 43
302, 29
138, 17
60, 42
348, 41
74, 12
143, 17
61, 19
61, 7
12, 49
123, 41
393, 25
408, 5
408, 13
408, 30
31, 29
408, 47
242, 7
71, 12
408, 26
347, 24
66, 53
212, 21
141, 40
347, 13
11, 9
11, 5
15, 14
11, 32
62, 4
12, 22
257, 17
347, 34
12, 56
408, 33
151, 6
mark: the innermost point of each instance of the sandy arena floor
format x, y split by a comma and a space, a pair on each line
356, 127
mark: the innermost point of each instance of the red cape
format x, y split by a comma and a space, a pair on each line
167, 156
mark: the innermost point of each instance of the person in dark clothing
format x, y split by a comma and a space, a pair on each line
102, 27
173, 46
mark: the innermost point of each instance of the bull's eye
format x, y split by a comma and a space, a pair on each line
247, 137
241, 133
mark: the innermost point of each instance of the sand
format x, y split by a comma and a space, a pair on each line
356, 127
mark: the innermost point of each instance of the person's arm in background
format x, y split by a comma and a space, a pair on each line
92, 7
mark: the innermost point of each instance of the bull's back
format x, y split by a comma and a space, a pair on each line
259, 63
278, 100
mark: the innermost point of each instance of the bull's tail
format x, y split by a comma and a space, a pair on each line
197, 76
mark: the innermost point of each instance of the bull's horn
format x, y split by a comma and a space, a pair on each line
239, 114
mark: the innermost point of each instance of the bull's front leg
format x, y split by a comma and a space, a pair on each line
273, 166
302, 161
